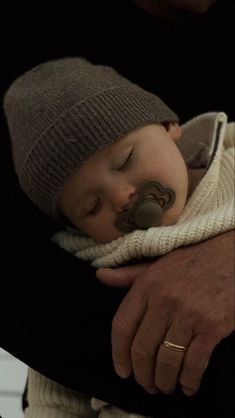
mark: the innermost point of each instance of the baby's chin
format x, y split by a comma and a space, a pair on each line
106, 239
168, 219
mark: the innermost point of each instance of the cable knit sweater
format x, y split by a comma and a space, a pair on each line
208, 212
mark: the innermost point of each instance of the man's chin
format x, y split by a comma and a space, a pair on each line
175, 9
193, 6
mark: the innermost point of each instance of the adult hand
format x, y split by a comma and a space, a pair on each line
185, 297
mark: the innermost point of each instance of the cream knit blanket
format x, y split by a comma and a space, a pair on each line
208, 212
48, 399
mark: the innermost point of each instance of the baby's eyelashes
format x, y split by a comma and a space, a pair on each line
127, 161
95, 208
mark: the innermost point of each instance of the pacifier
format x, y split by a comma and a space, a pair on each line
154, 199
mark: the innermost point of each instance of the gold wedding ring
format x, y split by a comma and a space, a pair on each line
174, 347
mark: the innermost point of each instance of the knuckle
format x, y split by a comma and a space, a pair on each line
167, 302
208, 323
191, 372
119, 326
191, 376
193, 368
217, 335
140, 353
166, 377
168, 365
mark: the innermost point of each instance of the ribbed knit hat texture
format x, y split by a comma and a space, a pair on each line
61, 112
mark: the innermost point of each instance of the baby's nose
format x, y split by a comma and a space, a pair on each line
124, 198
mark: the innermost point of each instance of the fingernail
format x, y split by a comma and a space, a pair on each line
188, 392
121, 371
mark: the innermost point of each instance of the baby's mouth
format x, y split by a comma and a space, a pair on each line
154, 199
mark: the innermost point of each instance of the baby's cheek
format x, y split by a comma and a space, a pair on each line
171, 216
103, 231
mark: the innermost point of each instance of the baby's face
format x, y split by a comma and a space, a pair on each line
108, 183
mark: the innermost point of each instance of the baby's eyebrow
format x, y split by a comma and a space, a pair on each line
108, 152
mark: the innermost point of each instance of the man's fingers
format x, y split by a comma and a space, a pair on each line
124, 327
195, 363
144, 350
169, 361
167, 369
121, 276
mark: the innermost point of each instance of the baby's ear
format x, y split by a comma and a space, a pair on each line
173, 129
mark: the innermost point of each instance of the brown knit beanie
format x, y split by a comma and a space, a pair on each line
61, 112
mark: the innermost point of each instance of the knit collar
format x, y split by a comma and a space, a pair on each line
208, 129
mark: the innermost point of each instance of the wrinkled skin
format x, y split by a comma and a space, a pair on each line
187, 297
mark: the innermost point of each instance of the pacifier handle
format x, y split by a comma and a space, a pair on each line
148, 214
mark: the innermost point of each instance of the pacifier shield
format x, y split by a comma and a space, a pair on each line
154, 199
148, 214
